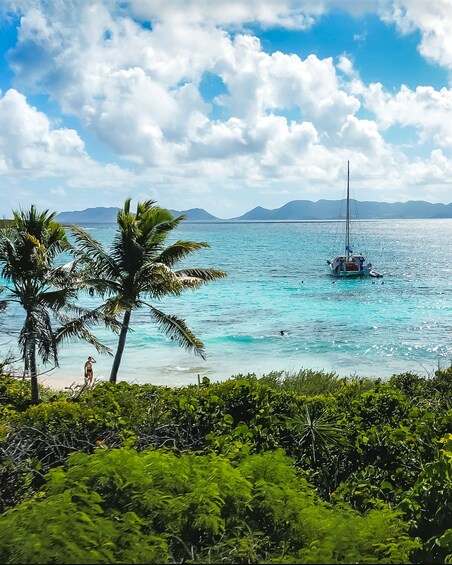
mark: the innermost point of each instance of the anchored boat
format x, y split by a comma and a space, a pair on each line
350, 264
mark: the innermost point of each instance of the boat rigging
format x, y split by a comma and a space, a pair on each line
350, 264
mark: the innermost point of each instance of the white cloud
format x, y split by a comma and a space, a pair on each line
364, 137
432, 19
427, 109
291, 14
285, 121
258, 82
27, 141
32, 150
59, 191
345, 65
138, 90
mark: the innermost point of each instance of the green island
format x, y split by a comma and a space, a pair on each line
303, 467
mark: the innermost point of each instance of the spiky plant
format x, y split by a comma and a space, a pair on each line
139, 268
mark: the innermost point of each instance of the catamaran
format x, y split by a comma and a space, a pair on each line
350, 264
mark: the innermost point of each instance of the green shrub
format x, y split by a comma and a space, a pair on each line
130, 507
71, 527
14, 393
304, 382
428, 506
364, 445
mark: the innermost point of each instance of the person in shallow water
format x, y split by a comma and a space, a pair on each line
89, 374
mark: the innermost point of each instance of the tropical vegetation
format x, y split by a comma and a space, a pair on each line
44, 290
269, 470
139, 267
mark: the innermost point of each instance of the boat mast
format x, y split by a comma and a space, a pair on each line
347, 219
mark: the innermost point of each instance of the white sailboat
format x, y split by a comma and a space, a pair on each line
350, 264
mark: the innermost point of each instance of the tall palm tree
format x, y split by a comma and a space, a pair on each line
139, 267
28, 249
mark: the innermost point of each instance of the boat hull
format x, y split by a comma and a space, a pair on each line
352, 266
347, 275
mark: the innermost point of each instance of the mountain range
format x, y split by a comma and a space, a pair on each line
294, 210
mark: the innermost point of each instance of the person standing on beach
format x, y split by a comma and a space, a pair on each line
89, 374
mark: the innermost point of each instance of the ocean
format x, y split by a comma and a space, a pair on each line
277, 282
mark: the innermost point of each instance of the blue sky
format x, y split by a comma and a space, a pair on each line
224, 105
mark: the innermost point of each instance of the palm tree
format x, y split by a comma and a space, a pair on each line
28, 249
139, 266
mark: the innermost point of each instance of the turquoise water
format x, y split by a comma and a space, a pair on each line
278, 280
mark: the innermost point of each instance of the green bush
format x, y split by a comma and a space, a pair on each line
14, 393
71, 527
428, 506
123, 506
304, 382
364, 445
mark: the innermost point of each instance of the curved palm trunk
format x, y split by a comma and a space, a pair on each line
120, 349
33, 370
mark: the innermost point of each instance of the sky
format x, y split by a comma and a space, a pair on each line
223, 105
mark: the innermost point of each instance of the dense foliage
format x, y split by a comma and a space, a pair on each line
288, 468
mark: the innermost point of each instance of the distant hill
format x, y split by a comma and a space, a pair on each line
196, 214
89, 215
331, 210
294, 210
100, 215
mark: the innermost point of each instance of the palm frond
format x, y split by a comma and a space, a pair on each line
37, 330
126, 207
127, 222
11, 261
189, 283
56, 299
88, 317
127, 253
79, 326
3, 303
100, 286
75, 329
204, 275
15, 295
156, 231
158, 280
58, 245
179, 250
64, 276
176, 329
39, 233
117, 304
47, 347
91, 253
144, 207
158, 220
